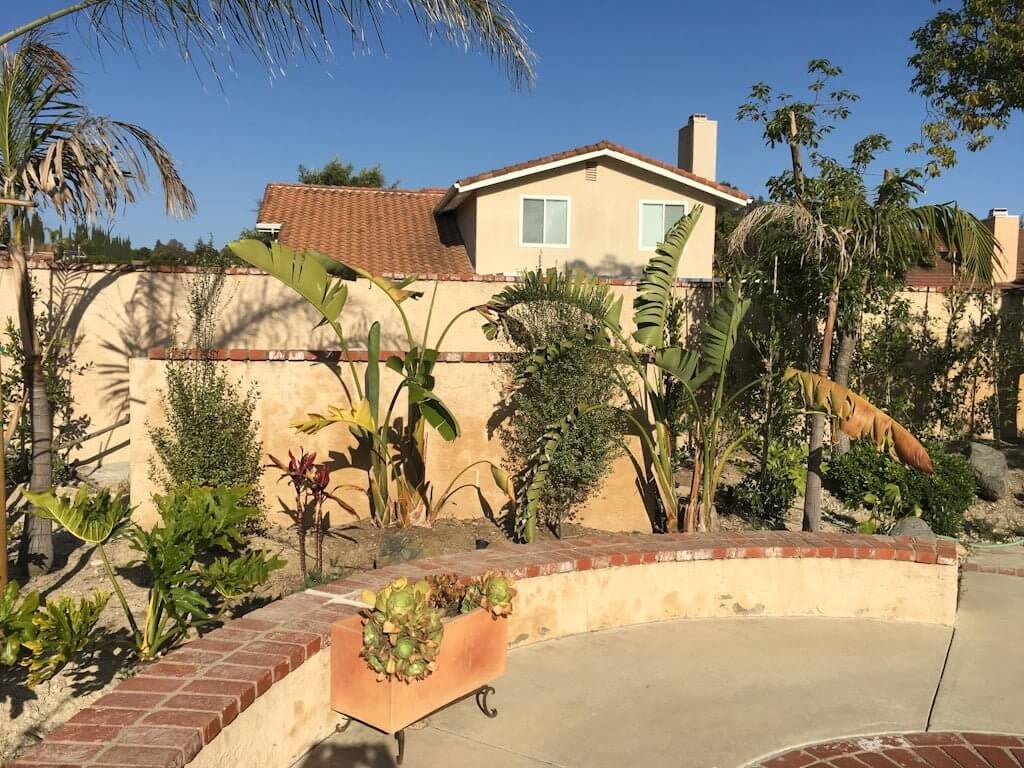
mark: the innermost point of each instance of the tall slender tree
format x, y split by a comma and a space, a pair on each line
837, 223
55, 153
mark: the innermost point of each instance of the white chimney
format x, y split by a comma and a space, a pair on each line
698, 146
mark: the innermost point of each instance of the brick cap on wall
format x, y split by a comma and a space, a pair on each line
165, 714
239, 270
244, 354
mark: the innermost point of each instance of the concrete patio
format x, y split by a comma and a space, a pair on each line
722, 693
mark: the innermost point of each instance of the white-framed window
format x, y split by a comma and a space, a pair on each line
544, 221
656, 218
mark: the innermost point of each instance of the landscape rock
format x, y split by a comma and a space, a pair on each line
411, 544
112, 475
912, 526
990, 471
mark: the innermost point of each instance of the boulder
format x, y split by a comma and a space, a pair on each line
410, 544
912, 526
990, 471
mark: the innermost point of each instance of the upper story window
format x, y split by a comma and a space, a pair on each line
544, 221
656, 218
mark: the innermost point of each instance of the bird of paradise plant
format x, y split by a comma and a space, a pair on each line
397, 488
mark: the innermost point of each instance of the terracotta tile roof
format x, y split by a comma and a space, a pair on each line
380, 230
609, 146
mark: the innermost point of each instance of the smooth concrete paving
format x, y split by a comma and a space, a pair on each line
983, 684
688, 694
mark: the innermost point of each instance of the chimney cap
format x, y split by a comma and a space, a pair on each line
698, 116
998, 212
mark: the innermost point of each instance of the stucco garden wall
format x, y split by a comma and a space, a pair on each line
119, 314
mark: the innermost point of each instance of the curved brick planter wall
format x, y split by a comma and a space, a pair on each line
255, 691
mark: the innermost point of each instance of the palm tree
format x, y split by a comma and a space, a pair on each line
843, 226
275, 30
55, 153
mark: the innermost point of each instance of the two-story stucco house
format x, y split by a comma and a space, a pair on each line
601, 207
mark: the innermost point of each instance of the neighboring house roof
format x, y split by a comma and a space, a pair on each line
380, 230
463, 187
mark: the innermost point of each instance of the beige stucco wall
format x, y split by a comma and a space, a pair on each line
290, 390
604, 221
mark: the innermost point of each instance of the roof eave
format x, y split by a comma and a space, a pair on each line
460, 190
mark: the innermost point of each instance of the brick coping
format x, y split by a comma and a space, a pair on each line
240, 270
245, 354
165, 714
936, 749
979, 568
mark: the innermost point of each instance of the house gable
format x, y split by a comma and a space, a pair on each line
603, 196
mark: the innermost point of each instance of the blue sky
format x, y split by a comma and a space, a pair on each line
430, 114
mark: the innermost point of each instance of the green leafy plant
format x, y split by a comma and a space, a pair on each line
767, 494
942, 496
397, 490
16, 627
65, 632
197, 558
885, 509
447, 592
703, 376
310, 481
211, 434
555, 315
402, 632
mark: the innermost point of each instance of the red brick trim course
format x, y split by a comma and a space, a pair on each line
978, 568
911, 750
420, 277
244, 354
164, 715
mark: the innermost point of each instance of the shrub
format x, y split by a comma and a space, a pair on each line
211, 435
562, 308
943, 496
766, 496
65, 633
197, 558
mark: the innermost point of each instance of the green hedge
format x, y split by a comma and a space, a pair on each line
943, 496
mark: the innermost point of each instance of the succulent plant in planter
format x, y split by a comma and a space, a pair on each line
493, 592
402, 632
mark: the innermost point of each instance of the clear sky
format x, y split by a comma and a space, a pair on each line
631, 73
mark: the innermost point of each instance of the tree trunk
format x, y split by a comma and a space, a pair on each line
844, 358
36, 553
812, 495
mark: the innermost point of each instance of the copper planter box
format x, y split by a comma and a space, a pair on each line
473, 653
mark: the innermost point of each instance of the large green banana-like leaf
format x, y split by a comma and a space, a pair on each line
360, 417
305, 273
431, 407
372, 376
682, 364
396, 290
650, 307
858, 418
718, 337
92, 518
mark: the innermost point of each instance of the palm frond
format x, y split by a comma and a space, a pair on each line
650, 307
858, 418
275, 31
55, 152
